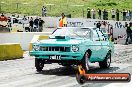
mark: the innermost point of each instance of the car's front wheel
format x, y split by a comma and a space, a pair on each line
106, 62
85, 61
39, 64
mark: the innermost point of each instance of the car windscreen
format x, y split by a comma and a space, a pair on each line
73, 32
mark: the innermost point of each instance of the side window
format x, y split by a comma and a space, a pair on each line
95, 36
88, 34
101, 36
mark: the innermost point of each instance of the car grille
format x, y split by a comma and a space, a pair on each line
62, 49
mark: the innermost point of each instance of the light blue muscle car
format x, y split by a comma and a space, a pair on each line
74, 46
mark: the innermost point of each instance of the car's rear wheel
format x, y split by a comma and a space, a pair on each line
106, 62
39, 64
85, 61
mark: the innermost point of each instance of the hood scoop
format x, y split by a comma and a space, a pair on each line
62, 38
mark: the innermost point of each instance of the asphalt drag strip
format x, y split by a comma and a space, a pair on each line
22, 72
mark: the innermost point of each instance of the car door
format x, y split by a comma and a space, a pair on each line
104, 44
96, 46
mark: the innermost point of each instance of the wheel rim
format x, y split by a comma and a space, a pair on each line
87, 60
41, 65
108, 60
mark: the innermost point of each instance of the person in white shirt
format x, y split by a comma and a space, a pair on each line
93, 13
43, 8
127, 15
113, 13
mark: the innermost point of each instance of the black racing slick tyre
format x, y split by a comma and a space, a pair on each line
106, 62
85, 61
39, 64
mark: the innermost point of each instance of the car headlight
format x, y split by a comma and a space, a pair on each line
36, 47
75, 48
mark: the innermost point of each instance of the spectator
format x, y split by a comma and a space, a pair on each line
98, 25
36, 24
31, 24
41, 22
28, 19
124, 15
113, 14
128, 15
36, 21
24, 18
24, 21
18, 16
43, 11
9, 22
117, 15
104, 14
63, 21
129, 32
93, 13
13, 15
88, 13
2, 14
104, 24
99, 13
26, 24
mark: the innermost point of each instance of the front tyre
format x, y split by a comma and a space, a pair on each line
39, 64
106, 62
85, 61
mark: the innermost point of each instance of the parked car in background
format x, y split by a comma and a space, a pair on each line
69, 46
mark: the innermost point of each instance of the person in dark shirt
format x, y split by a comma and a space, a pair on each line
98, 25
41, 22
124, 15
2, 14
129, 32
99, 13
117, 15
36, 25
9, 22
104, 14
31, 24
36, 22
107, 15
88, 13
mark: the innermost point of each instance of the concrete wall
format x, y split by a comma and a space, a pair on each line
23, 38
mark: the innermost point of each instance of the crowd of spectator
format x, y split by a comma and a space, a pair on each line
36, 25
115, 14
28, 23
